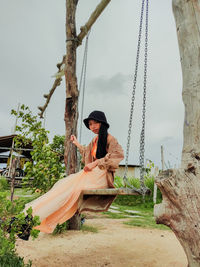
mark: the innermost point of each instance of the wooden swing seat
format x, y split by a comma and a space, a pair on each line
97, 200
111, 192
101, 199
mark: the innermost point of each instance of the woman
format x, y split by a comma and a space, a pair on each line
101, 158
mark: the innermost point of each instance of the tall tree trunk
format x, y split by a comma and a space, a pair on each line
71, 106
180, 208
71, 112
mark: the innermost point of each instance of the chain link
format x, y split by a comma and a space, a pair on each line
82, 84
142, 135
83, 81
133, 93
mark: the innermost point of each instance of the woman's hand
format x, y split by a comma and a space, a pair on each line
74, 140
90, 166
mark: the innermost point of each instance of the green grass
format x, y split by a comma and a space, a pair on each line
146, 219
112, 215
23, 192
135, 201
146, 222
89, 228
24, 195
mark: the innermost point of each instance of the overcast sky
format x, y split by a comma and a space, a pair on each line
33, 42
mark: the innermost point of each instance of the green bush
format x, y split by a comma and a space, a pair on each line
46, 166
134, 182
8, 209
118, 182
8, 256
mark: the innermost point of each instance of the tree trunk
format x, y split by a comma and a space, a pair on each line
180, 208
71, 106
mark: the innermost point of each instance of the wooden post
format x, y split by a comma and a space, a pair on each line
155, 185
180, 208
156, 174
13, 172
13, 142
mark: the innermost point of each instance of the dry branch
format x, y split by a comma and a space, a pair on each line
97, 12
56, 83
84, 31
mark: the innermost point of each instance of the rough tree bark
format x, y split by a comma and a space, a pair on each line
71, 106
180, 208
71, 110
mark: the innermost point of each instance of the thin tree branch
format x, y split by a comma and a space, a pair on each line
84, 30
97, 12
57, 82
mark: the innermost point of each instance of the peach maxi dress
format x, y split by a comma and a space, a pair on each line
61, 202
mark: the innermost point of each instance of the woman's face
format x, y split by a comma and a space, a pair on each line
94, 126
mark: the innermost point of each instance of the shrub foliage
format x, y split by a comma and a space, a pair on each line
46, 167
8, 231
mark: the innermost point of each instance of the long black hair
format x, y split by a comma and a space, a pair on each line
102, 141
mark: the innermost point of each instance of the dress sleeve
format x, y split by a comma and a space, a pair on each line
113, 157
85, 152
82, 150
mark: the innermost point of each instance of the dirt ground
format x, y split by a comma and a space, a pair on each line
115, 245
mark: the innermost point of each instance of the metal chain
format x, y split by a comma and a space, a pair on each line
142, 135
133, 95
82, 81
83, 78
143, 189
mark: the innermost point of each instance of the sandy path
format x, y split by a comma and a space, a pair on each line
115, 245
